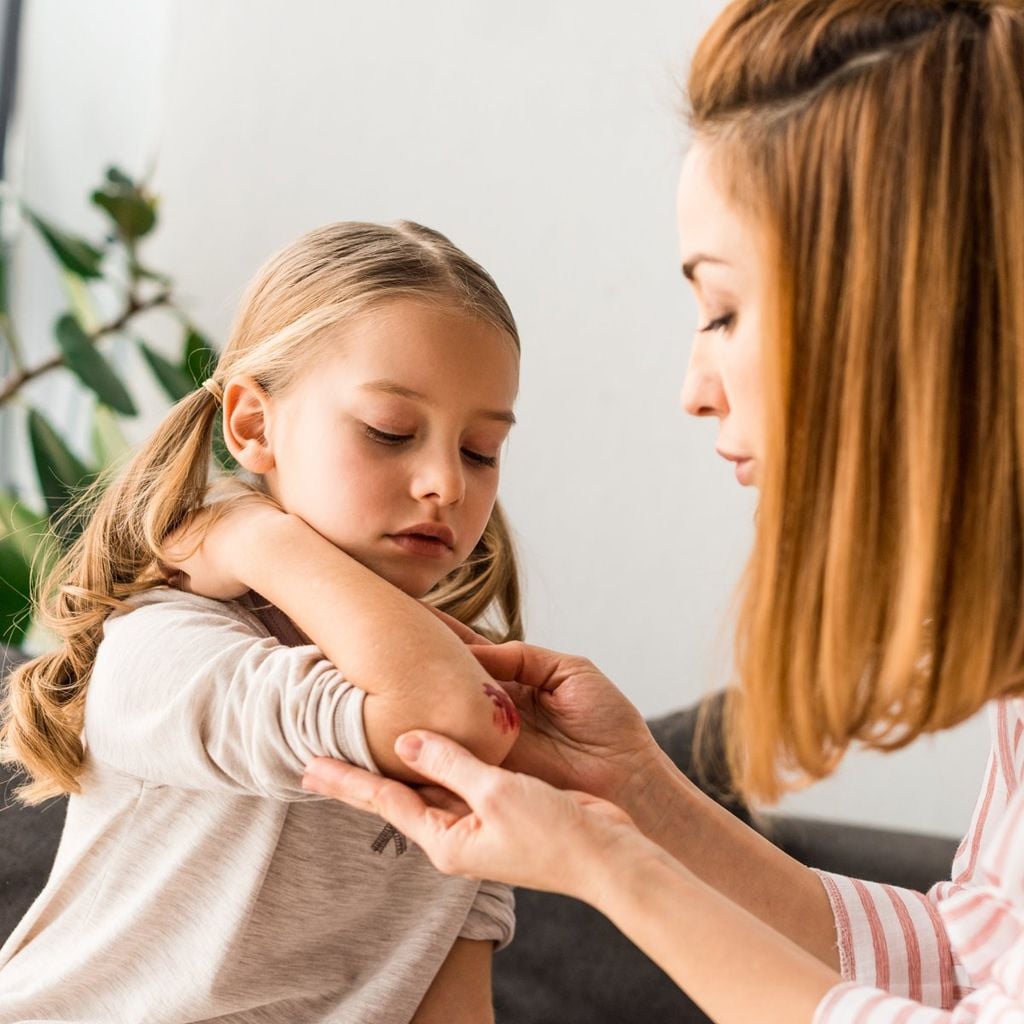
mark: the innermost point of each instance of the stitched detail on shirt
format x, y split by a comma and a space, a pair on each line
387, 834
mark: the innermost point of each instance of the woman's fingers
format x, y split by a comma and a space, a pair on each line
447, 763
523, 663
391, 800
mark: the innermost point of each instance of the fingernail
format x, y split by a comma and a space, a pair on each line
408, 747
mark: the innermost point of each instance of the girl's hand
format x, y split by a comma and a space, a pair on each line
578, 730
510, 828
206, 554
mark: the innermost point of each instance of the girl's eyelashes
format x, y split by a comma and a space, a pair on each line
721, 323
394, 440
383, 437
490, 461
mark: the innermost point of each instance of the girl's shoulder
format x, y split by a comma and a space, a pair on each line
164, 622
165, 603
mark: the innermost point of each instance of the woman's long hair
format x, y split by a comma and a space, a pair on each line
880, 144
286, 320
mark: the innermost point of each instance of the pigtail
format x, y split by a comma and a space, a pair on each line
116, 555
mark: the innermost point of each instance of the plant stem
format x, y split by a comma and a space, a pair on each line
21, 376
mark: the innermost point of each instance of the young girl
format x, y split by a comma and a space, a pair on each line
216, 639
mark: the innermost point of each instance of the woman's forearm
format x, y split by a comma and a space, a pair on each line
733, 965
416, 672
733, 859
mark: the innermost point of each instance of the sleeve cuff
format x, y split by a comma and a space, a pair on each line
351, 731
492, 915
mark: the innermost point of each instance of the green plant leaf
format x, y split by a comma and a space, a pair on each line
74, 253
15, 593
117, 177
132, 215
129, 206
22, 526
173, 379
61, 474
199, 359
80, 300
108, 441
85, 361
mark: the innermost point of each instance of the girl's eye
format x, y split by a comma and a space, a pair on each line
490, 461
383, 437
721, 323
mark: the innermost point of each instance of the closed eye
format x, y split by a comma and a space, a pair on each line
490, 461
720, 323
383, 437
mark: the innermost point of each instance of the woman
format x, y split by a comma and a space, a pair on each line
851, 219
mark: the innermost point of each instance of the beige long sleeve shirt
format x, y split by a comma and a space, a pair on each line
195, 879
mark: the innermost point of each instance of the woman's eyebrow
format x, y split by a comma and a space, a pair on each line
392, 387
690, 265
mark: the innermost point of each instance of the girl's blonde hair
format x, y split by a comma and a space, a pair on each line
286, 321
881, 145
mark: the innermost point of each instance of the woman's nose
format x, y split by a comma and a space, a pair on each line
703, 394
440, 477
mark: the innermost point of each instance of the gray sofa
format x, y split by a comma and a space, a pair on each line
568, 965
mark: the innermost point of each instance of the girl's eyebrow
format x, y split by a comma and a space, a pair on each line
391, 387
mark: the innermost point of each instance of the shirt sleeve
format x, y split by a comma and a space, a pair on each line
894, 939
492, 915
193, 693
858, 1004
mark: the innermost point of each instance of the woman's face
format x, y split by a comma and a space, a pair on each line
722, 263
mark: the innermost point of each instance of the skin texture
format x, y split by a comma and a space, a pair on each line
614, 823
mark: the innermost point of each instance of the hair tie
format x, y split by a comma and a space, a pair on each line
214, 388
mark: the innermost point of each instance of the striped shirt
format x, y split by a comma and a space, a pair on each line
956, 953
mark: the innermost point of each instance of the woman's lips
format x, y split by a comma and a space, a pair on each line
744, 466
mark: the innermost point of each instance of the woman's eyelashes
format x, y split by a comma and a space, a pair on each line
396, 440
720, 323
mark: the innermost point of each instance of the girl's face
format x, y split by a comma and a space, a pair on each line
721, 262
390, 446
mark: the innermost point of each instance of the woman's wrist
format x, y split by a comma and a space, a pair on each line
617, 871
656, 797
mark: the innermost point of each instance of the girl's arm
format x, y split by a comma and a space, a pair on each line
461, 991
415, 672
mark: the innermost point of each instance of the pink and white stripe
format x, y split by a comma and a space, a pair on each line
956, 953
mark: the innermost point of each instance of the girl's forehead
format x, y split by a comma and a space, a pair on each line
420, 352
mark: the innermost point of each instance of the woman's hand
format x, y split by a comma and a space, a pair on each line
510, 828
204, 555
578, 730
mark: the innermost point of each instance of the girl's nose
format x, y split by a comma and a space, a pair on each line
703, 394
440, 477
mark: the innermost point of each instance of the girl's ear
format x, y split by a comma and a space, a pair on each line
246, 412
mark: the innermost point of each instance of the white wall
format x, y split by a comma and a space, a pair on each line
542, 137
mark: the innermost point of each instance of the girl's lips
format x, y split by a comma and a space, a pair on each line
745, 471
421, 545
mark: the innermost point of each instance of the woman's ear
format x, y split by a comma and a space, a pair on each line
246, 413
